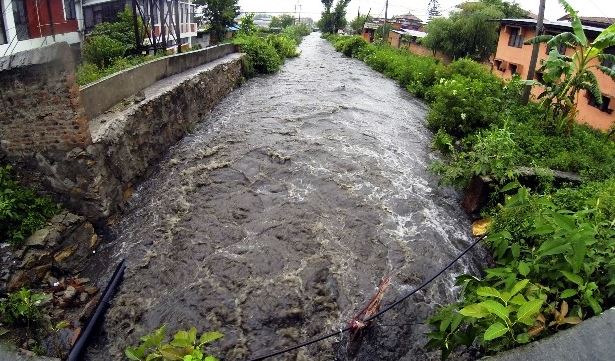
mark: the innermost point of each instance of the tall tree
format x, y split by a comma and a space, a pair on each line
359, 22
433, 9
221, 14
332, 21
282, 21
468, 32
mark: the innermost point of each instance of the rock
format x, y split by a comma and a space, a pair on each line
90, 290
476, 195
69, 293
38, 239
89, 308
34, 258
24, 278
83, 297
52, 281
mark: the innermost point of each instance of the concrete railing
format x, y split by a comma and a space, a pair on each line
100, 96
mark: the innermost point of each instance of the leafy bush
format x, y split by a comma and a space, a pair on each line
102, 50
22, 212
297, 32
262, 54
88, 73
184, 346
285, 46
462, 105
22, 307
350, 45
494, 154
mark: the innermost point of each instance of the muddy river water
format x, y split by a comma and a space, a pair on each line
274, 220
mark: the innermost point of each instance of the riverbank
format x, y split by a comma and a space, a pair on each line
552, 239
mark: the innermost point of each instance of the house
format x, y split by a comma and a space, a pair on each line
369, 31
31, 24
403, 37
150, 11
409, 22
513, 58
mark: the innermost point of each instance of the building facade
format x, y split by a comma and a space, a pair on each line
513, 58
31, 24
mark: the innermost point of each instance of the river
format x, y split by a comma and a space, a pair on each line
275, 219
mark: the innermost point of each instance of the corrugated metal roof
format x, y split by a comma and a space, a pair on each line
561, 25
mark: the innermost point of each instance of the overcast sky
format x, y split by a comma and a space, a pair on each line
313, 8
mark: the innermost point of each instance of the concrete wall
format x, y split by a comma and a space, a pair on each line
98, 97
507, 55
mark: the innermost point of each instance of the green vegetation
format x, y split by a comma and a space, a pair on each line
553, 243
22, 308
108, 49
266, 52
565, 75
22, 212
221, 14
334, 19
282, 21
184, 346
359, 22
469, 31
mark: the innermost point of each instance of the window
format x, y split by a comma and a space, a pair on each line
516, 38
70, 13
498, 64
21, 19
606, 101
2, 27
513, 69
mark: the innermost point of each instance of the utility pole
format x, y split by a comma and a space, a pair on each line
177, 30
532, 70
386, 15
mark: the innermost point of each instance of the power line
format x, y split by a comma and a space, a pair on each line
386, 309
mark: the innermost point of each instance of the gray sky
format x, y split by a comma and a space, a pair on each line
313, 8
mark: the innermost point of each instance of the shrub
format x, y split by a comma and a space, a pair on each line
493, 153
102, 50
22, 307
350, 45
461, 105
184, 346
22, 212
262, 55
285, 46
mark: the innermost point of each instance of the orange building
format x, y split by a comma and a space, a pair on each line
513, 57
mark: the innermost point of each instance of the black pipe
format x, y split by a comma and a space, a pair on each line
78, 347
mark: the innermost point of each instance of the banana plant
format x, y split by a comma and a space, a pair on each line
564, 76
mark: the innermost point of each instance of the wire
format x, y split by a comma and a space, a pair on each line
386, 309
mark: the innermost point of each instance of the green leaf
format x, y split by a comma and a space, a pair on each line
553, 247
456, 321
606, 38
210, 358
538, 39
516, 250
494, 331
608, 71
519, 286
208, 337
182, 339
524, 268
496, 308
475, 310
488, 292
133, 354
523, 338
577, 26
566, 222
579, 250
446, 322
528, 311
518, 300
172, 353
576, 279
567, 293
594, 305
510, 186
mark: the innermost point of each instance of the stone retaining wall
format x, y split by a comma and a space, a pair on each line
87, 165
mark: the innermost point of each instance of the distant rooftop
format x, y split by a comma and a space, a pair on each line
551, 25
597, 21
415, 33
408, 17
